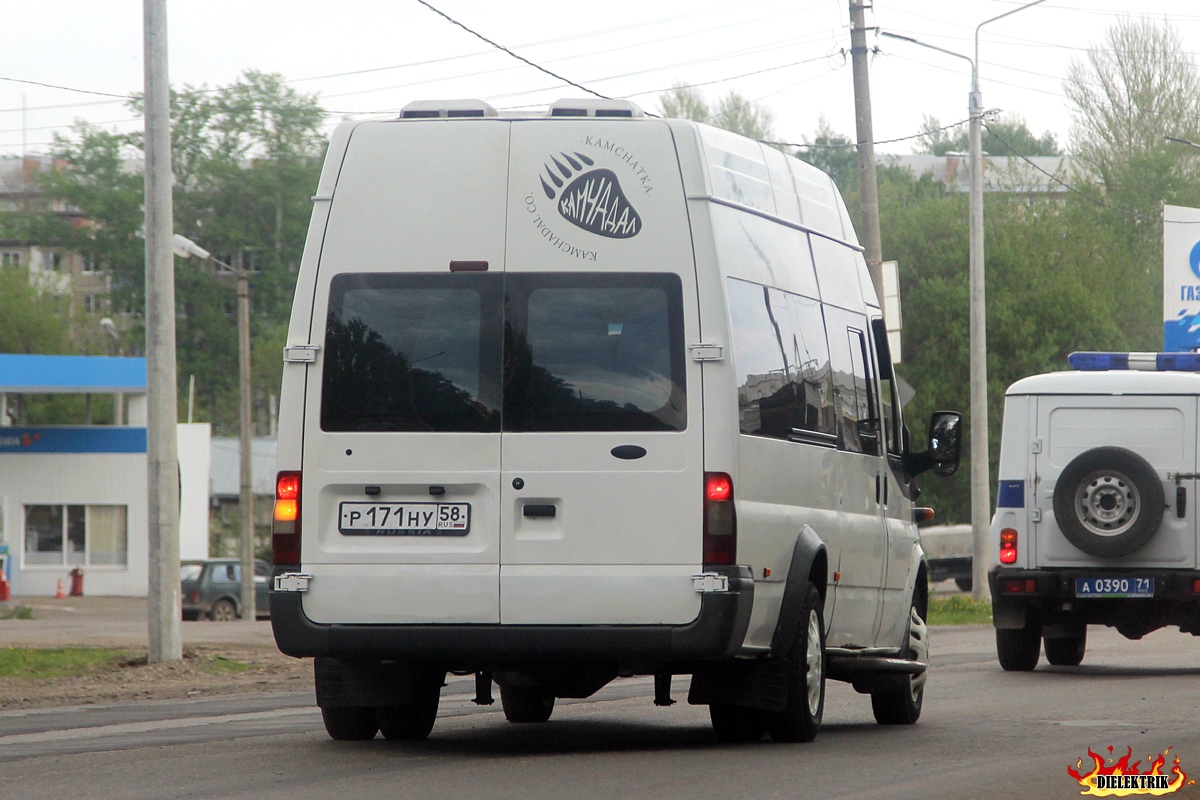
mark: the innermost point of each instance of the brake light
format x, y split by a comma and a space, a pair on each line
1008, 546
720, 521
1018, 586
285, 524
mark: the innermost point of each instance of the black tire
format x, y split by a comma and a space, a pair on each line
414, 721
1019, 648
350, 723
964, 584
800, 720
526, 703
1066, 651
737, 724
191, 616
224, 610
1108, 502
903, 706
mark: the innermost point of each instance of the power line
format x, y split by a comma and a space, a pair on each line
501, 47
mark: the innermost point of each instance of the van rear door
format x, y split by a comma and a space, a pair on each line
401, 452
602, 480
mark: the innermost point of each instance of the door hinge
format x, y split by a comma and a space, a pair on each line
707, 352
710, 582
300, 353
1035, 446
292, 582
1035, 514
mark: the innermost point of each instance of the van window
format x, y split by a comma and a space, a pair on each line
889, 401
410, 352
852, 390
517, 352
594, 352
782, 363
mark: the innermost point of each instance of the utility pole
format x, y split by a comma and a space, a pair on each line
246, 501
164, 608
867, 187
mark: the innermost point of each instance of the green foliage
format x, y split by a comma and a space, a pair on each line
32, 323
959, 610
834, 155
733, 113
1005, 136
246, 159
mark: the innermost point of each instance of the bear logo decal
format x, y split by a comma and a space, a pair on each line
593, 200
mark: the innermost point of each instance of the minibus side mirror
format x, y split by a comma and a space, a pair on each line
944, 447
945, 441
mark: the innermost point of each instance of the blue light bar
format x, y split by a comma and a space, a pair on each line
1154, 362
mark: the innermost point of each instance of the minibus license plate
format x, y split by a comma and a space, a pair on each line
1114, 587
404, 519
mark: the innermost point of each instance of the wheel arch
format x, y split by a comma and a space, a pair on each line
809, 564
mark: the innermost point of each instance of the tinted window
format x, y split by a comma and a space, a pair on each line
852, 391
575, 352
782, 362
594, 352
412, 353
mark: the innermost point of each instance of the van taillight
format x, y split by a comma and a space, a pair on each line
720, 521
285, 524
1008, 546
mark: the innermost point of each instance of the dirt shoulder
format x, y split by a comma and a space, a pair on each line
220, 658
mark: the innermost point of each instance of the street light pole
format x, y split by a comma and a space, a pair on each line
186, 248
246, 486
163, 600
981, 497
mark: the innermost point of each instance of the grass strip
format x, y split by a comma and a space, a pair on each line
959, 610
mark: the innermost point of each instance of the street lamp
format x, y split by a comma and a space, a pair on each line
981, 503
186, 248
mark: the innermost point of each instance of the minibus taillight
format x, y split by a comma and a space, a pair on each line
1008, 546
720, 521
285, 523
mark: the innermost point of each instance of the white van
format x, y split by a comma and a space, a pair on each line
585, 395
1096, 514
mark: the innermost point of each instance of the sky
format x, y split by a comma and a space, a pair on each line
68, 60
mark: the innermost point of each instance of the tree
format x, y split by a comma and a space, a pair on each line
833, 154
733, 113
246, 158
1007, 135
1131, 92
91, 174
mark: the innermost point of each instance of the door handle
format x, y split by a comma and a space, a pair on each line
540, 510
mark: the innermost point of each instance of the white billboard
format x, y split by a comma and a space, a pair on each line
1181, 279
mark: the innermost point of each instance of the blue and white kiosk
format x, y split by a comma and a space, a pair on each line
75, 496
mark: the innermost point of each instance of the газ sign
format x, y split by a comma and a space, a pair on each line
1181, 279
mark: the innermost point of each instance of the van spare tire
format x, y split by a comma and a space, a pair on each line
1108, 502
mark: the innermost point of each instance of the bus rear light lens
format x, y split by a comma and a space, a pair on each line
1008, 546
285, 525
720, 520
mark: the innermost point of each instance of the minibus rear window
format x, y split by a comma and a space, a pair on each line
594, 352
484, 352
412, 353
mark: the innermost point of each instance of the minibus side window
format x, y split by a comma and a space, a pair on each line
852, 389
782, 364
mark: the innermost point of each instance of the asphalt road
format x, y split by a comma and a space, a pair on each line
984, 734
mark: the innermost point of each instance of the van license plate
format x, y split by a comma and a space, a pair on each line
404, 519
1114, 587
